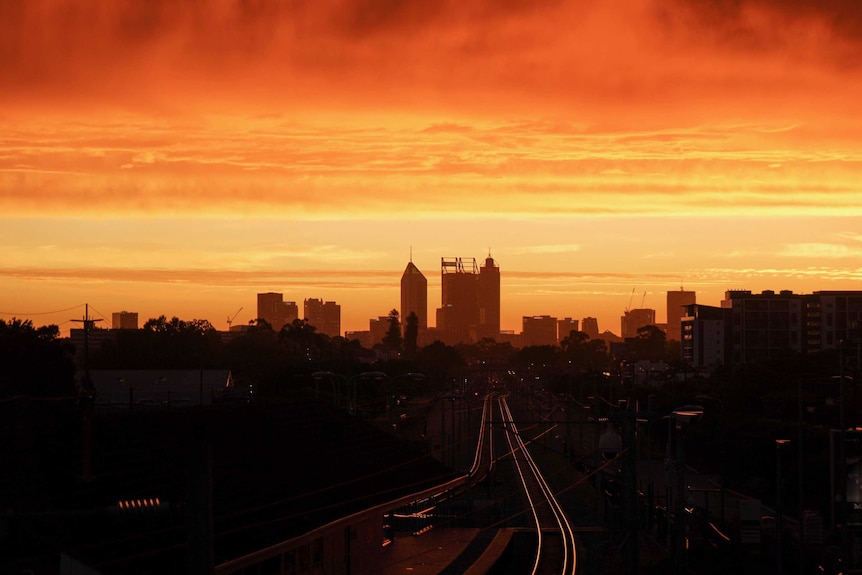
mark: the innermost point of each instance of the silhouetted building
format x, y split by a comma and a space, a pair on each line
768, 326
459, 311
489, 300
676, 303
509, 336
765, 325
378, 328
272, 308
470, 307
325, 316
706, 337
414, 295
124, 320
539, 330
566, 326
590, 326
363, 337
837, 316
634, 319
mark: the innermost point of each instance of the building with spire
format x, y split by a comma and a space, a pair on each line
489, 300
414, 295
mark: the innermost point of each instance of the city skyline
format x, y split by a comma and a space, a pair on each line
178, 158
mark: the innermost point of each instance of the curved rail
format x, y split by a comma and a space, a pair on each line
548, 515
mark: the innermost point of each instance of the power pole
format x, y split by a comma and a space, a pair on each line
87, 396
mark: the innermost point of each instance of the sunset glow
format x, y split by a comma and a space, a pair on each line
178, 158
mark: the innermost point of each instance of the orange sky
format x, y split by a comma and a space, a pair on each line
177, 158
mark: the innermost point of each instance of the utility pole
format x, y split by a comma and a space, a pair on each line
87, 397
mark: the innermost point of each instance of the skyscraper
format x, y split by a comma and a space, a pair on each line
458, 315
325, 316
634, 319
272, 308
414, 295
590, 326
470, 307
489, 300
676, 304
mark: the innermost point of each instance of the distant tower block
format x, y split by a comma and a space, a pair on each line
676, 304
566, 326
414, 295
458, 315
489, 300
124, 320
590, 326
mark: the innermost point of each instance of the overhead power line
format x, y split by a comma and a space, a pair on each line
12, 313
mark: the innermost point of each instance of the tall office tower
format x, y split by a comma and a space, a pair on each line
590, 326
272, 308
634, 319
676, 304
566, 326
458, 314
124, 320
414, 295
325, 316
489, 300
539, 330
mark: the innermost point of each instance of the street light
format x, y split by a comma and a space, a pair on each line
779, 444
721, 446
682, 417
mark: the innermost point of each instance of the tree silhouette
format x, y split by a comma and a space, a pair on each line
411, 335
392, 341
35, 361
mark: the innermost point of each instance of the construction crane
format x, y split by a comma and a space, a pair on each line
231, 318
628, 307
643, 299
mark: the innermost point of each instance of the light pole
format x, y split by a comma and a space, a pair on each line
779, 444
682, 417
721, 447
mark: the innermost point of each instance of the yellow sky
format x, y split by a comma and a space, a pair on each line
178, 158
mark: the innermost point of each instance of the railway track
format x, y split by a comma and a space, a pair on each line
555, 551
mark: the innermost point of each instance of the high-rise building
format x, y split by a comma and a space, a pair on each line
677, 301
272, 308
765, 325
414, 295
470, 307
459, 311
590, 326
124, 320
325, 316
706, 340
566, 326
634, 319
489, 300
539, 330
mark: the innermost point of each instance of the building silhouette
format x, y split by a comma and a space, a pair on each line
489, 300
677, 301
566, 326
768, 326
633, 319
590, 326
414, 295
325, 316
470, 306
539, 330
272, 308
124, 320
